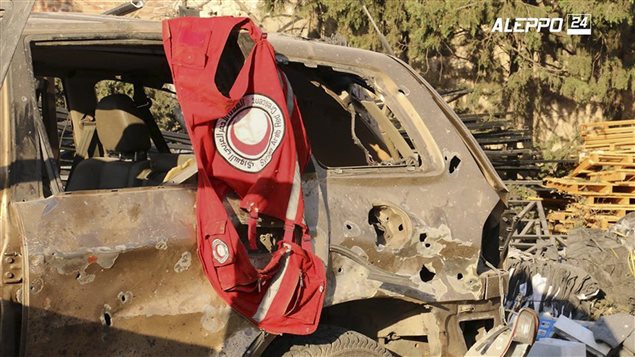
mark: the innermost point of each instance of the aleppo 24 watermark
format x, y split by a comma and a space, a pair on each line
577, 24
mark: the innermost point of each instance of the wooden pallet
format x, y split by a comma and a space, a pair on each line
575, 187
611, 199
561, 215
563, 221
619, 210
566, 226
613, 136
612, 175
603, 183
604, 126
624, 135
597, 161
616, 147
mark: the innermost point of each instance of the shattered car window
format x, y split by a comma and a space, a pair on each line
349, 125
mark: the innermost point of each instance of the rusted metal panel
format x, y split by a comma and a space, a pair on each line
14, 16
116, 272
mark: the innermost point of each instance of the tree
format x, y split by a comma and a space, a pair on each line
451, 43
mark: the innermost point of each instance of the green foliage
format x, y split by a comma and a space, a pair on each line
450, 42
107, 87
60, 96
555, 149
520, 192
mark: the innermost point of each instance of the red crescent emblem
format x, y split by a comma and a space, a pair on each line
250, 149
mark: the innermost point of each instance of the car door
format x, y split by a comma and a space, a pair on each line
13, 17
99, 272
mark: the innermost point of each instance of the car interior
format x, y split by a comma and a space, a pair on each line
113, 120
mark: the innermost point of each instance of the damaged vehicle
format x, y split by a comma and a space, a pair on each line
98, 201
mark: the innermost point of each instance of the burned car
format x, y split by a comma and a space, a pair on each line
98, 215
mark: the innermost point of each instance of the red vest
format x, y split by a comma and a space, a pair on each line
252, 142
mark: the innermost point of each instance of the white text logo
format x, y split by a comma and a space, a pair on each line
577, 24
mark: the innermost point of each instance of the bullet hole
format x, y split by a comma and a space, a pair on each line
351, 229
107, 319
422, 238
454, 164
425, 274
124, 297
459, 276
400, 227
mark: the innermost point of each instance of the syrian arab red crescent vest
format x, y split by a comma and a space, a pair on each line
251, 142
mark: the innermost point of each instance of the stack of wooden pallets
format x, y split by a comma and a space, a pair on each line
609, 136
602, 186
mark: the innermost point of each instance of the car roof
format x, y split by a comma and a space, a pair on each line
73, 22
61, 25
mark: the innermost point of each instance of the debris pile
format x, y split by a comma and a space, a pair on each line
580, 292
601, 188
529, 335
592, 276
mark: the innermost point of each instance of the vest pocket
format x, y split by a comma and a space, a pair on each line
231, 279
190, 57
229, 267
295, 298
305, 304
191, 49
299, 298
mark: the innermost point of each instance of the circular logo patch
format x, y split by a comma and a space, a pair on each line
250, 133
220, 250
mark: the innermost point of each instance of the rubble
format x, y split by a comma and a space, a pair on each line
588, 278
513, 339
576, 332
613, 329
548, 286
582, 290
556, 347
624, 230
